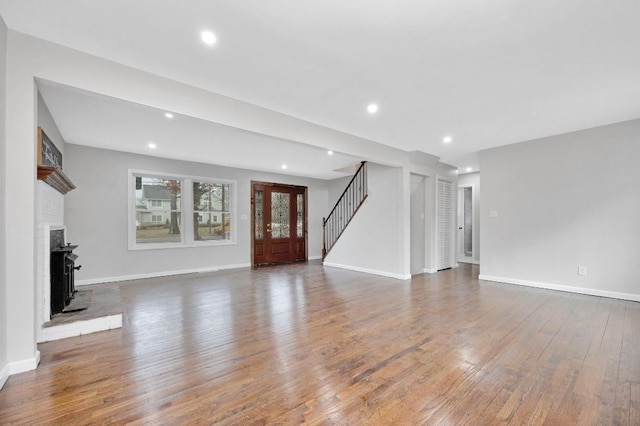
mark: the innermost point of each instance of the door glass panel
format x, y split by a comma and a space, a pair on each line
280, 215
300, 216
259, 202
468, 222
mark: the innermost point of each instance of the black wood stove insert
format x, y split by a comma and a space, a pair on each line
63, 262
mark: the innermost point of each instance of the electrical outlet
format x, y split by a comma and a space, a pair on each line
493, 213
582, 270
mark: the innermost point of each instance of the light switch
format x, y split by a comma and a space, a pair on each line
493, 213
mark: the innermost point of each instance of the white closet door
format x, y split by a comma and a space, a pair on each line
444, 225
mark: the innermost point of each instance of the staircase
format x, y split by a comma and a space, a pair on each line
346, 207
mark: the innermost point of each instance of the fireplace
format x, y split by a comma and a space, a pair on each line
62, 265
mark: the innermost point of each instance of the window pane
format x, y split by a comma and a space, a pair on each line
280, 215
300, 215
158, 227
258, 219
214, 197
157, 193
211, 218
157, 210
209, 226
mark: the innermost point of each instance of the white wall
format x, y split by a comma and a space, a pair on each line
96, 215
20, 161
473, 180
336, 188
418, 224
374, 236
4, 363
565, 201
45, 120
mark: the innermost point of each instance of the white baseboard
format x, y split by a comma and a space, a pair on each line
472, 262
18, 367
78, 328
369, 271
4, 375
314, 258
158, 274
28, 364
560, 287
428, 271
235, 266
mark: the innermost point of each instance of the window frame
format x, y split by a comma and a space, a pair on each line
186, 210
214, 213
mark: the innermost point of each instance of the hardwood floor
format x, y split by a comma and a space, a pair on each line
302, 344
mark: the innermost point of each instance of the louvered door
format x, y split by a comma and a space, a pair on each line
444, 225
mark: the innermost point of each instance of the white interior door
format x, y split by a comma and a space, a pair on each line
460, 227
444, 225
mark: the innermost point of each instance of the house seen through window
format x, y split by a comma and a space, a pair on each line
212, 217
162, 203
158, 212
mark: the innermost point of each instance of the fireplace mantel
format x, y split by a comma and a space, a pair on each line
54, 176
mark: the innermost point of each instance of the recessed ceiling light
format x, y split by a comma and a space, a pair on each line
168, 115
284, 166
330, 152
447, 139
469, 169
152, 145
208, 37
372, 108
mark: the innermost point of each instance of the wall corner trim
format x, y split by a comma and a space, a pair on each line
369, 271
4, 375
21, 366
566, 288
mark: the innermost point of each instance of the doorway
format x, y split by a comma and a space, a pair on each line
279, 223
465, 222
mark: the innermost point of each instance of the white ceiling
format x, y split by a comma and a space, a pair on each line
85, 118
488, 73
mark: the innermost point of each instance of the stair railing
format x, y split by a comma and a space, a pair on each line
346, 207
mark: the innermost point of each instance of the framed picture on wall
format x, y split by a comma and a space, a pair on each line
48, 154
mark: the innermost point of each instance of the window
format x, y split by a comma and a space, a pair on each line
212, 216
161, 202
150, 227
